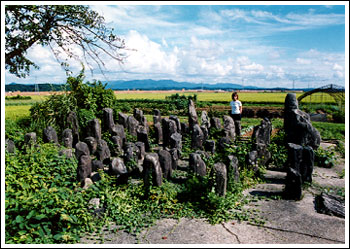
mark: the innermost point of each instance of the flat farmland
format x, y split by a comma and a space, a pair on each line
23, 105
246, 96
207, 95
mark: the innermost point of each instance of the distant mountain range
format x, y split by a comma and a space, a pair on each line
43, 87
146, 84
170, 85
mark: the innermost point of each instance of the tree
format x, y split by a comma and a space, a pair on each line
60, 27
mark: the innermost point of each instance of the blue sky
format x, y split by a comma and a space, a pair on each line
262, 45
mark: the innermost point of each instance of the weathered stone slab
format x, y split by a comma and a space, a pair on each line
165, 161
84, 167
307, 164
92, 144
177, 122
169, 127
301, 159
197, 137
293, 188
185, 128
221, 178
175, 155
123, 119
158, 133
157, 118
103, 153
30, 138
151, 165
176, 141
67, 152
94, 129
229, 127
138, 114
132, 125
216, 123
297, 124
81, 149
192, 114
232, 168
96, 165
73, 124
141, 150
262, 132
10, 146
142, 136
205, 119
117, 167
197, 164
330, 204
205, 132
131, 152
67, 138
118, 144
50, 135
108, 120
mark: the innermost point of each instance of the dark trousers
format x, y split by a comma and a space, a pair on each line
237, 120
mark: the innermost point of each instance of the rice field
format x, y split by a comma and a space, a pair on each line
209, 96
18, 108
15, 112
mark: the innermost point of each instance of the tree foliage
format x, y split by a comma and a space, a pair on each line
62, 28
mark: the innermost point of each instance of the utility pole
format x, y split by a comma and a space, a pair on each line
36, 87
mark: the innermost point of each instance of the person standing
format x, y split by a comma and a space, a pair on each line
236, 113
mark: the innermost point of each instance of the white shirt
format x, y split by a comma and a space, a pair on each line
235, 106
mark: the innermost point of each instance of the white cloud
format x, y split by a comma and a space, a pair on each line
254, 67
338, 67
303, 61
165, 44
338, 74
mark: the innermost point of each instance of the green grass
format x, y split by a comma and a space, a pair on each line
275, 97
256, 97
330, 130
34, 99
210, 96
17, 112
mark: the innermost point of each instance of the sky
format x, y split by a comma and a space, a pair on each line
283, 44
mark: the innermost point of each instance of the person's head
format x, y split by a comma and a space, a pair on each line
235, 96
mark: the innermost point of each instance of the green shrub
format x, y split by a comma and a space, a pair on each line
17, 97
325, 158
43, 203
278, 150
339, 116
87, 100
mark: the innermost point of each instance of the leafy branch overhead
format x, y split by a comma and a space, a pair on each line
62, 28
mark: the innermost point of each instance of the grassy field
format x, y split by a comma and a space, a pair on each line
208, 96
17, 112
16, 109
263, 97
34, 98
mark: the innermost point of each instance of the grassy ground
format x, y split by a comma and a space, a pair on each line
263, 97
222, 96
15, 112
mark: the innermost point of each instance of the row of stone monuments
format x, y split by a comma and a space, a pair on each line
93, 153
